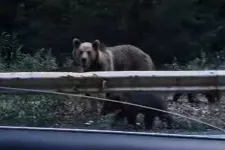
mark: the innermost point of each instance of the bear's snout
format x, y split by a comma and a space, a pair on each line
84, 60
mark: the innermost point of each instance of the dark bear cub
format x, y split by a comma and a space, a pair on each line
212, 97
130, 112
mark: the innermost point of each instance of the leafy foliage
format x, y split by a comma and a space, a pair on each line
30, 109
64, 111
203, 62
163, 28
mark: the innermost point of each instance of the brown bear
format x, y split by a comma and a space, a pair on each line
130, 112
96, 56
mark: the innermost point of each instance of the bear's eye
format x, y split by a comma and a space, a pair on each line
89, 52
80, 53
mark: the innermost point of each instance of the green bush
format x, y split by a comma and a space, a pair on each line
203, 62
62, 111
38, 109
27, 109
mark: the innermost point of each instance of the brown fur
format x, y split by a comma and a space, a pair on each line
95, 58
212, 97
117, 58
130, 112
129, 57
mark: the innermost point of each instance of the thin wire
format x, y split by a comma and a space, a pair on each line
110, 100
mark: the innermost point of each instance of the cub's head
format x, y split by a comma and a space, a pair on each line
86, 53
111, 107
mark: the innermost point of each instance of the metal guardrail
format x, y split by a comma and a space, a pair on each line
156, 81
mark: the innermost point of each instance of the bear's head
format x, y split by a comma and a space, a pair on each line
86, 53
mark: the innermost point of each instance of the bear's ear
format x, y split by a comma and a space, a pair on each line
102, 47
76, 42
96, 45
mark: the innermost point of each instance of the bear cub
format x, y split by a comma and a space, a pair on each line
130, 112
212, 97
